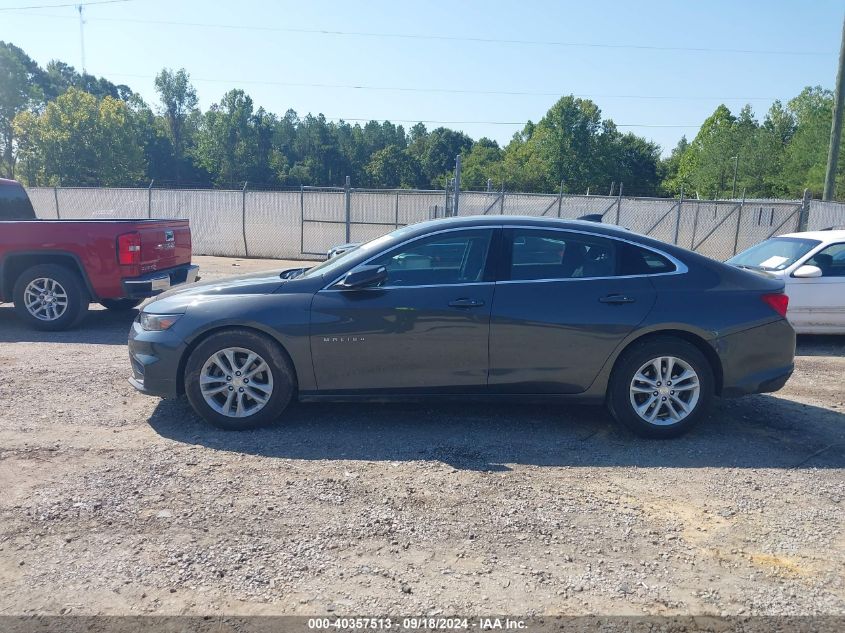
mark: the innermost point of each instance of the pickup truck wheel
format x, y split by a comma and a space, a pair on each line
120, 305
239, 379
50, 297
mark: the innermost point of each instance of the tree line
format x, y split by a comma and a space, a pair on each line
62, 127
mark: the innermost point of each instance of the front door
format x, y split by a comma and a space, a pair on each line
423, 330
563, 308
818, 303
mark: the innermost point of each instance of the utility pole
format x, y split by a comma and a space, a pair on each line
81, 36
836, 125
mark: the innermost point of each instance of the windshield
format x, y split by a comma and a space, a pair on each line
775, 254
371, 247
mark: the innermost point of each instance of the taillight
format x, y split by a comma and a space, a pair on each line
778, 301
129, 249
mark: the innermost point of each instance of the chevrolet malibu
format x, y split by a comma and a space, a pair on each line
476, 307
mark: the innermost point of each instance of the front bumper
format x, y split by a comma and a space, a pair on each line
759, 360
155, 358
159, 281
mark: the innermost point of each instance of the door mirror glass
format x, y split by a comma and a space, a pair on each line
363, 277
807, 272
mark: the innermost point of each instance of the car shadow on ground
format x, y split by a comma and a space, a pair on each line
820, 345
753, 432
102, 327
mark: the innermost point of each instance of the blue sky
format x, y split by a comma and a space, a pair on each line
588, 48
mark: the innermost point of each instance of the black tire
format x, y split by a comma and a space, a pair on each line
283, 377
120, 305
619, 393
74, 289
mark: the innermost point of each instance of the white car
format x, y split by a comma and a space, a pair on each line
812, 265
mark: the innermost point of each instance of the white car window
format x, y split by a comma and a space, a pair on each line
830, 260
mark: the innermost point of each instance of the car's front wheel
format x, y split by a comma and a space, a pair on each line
239, 379
661, 387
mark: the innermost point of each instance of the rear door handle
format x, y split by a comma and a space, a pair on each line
466, 303
617, 299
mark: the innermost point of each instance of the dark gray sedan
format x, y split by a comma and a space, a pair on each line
477, 307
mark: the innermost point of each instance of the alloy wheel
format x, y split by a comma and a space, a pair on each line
665, 390
45, 299
236, 382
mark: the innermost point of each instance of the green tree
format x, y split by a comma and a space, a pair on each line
392, 167
481, 164
179, 109
80, 140
18, 91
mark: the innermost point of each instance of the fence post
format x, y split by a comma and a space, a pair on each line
397, 209
150, 199
695, 225
612, 187
678, 218
243, 218
560, 199
739, 221
502, 200
455, 207
619, 204
803, 215
56, 198
348, 201
302, 219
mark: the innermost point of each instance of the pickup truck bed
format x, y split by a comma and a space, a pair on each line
52, 269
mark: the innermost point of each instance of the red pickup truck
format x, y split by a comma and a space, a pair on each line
52, 269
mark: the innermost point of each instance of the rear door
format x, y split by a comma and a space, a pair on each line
425, 329
818, 303
562, 308
164, 244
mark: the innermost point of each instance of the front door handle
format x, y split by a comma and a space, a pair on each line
466, 303
617, 299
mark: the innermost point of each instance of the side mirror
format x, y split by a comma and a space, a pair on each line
807, 272
363, 277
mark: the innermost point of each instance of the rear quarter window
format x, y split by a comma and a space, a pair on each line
14, 203
635, 260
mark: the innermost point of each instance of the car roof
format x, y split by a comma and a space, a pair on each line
822, 236
519, 220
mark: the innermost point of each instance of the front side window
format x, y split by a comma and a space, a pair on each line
777, 253
538, 254
830, 260
454, 257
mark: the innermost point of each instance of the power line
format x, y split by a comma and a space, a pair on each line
291, 84
447, 38
643, 125
59, 6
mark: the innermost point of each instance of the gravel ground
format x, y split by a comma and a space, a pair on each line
116, 503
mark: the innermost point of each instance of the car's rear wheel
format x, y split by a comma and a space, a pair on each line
239, 379
50, 297
661, 387
120, 305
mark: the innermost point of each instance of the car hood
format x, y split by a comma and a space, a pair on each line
178, 299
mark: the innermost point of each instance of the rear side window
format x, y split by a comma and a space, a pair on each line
538, 254
634, 260
14, 203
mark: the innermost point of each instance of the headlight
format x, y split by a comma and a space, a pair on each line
157, 322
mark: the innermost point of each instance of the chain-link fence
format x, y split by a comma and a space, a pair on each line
305, 223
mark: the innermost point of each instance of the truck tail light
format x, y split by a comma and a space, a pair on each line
129, 249
778, 302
